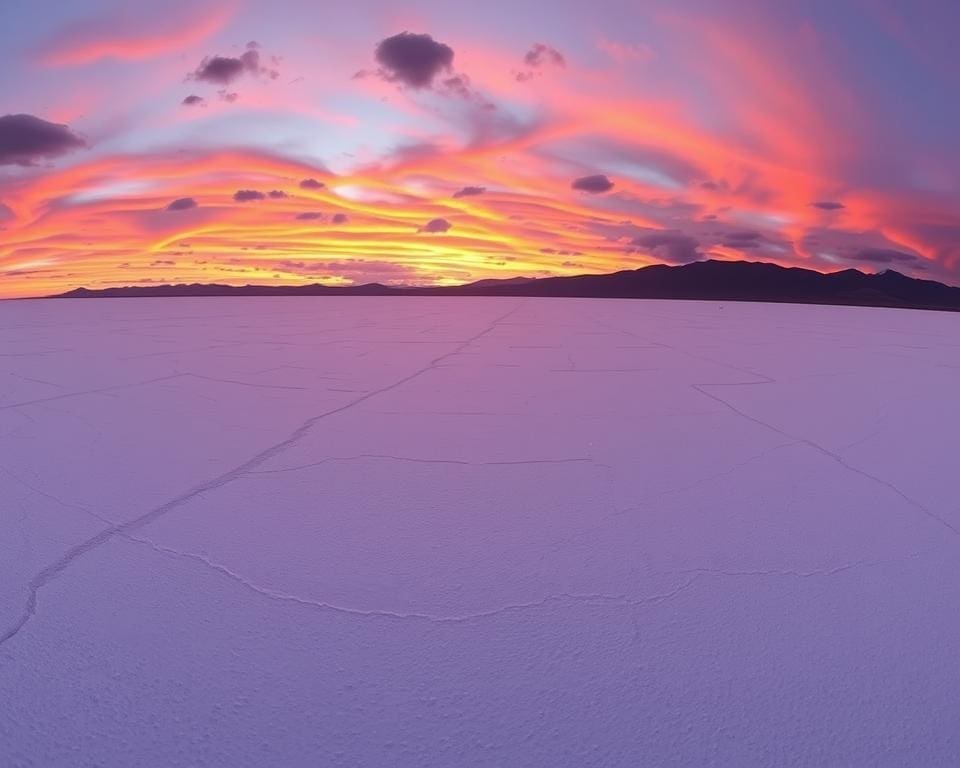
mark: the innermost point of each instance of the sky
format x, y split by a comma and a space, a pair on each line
433, 142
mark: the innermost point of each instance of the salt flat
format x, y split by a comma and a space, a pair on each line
477, 532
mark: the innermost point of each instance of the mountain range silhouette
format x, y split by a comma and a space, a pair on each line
710, 280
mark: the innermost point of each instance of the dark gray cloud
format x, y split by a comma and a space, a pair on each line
223, 70
278, 194
534, 59
459, 85
309, 216
833, 247
340, 218
436, 225
669, 245
5, 213
883, 255
595, 183
194, 101
742, 239
25, 139
246, 195
311, 184
469, 191
540, 54
749, 187
412, 59
828, 205
182, 204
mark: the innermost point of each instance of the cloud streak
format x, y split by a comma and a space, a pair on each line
129, 36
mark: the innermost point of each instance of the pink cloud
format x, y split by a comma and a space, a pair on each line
127, 37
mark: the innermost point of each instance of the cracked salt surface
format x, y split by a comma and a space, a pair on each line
372, 532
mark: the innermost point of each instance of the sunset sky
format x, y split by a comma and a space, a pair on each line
438, 142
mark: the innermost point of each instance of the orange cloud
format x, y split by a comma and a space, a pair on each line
83, 219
